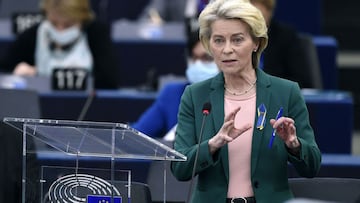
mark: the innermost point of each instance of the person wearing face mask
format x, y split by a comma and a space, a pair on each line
160, 119
69, 36
201, 65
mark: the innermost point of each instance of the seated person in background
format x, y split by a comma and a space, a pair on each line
68, 37
284, 56
161, 116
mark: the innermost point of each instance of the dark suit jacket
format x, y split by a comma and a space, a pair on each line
268, 166
105, 70
285, 57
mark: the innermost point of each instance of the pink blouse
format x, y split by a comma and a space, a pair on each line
240, 148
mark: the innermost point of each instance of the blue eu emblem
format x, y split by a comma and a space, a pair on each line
102, 199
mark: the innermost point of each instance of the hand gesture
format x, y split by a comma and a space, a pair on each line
227, 132
286, 130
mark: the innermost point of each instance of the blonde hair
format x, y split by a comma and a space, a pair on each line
78, 10
234, 9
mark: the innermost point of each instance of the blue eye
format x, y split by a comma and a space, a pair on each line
218, 40
237, 40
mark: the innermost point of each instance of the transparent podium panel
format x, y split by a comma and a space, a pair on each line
57, 156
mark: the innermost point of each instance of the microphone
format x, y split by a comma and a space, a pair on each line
206, 111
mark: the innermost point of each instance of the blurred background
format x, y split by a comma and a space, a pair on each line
152, 54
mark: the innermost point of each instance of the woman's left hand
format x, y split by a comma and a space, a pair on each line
285, 128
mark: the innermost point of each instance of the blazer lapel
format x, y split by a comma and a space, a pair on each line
263, 96
217, 101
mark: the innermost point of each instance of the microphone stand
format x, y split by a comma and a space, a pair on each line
205, 113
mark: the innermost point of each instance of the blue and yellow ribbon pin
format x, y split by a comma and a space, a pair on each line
261, 113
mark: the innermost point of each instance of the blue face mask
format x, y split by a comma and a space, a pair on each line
198, 71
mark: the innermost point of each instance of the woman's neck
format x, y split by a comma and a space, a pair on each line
240, 82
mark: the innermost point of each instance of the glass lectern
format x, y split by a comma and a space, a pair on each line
80, 139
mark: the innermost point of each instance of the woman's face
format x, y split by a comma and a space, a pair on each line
232, 46
60, 21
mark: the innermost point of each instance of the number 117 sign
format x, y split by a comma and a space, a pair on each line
69, 79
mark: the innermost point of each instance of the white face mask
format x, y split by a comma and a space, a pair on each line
63, 37
198, 71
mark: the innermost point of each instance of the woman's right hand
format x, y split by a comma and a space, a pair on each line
24, 69
227, 132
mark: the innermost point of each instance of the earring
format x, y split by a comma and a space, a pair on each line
255, 50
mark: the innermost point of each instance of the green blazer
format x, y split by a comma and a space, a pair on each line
268, 166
